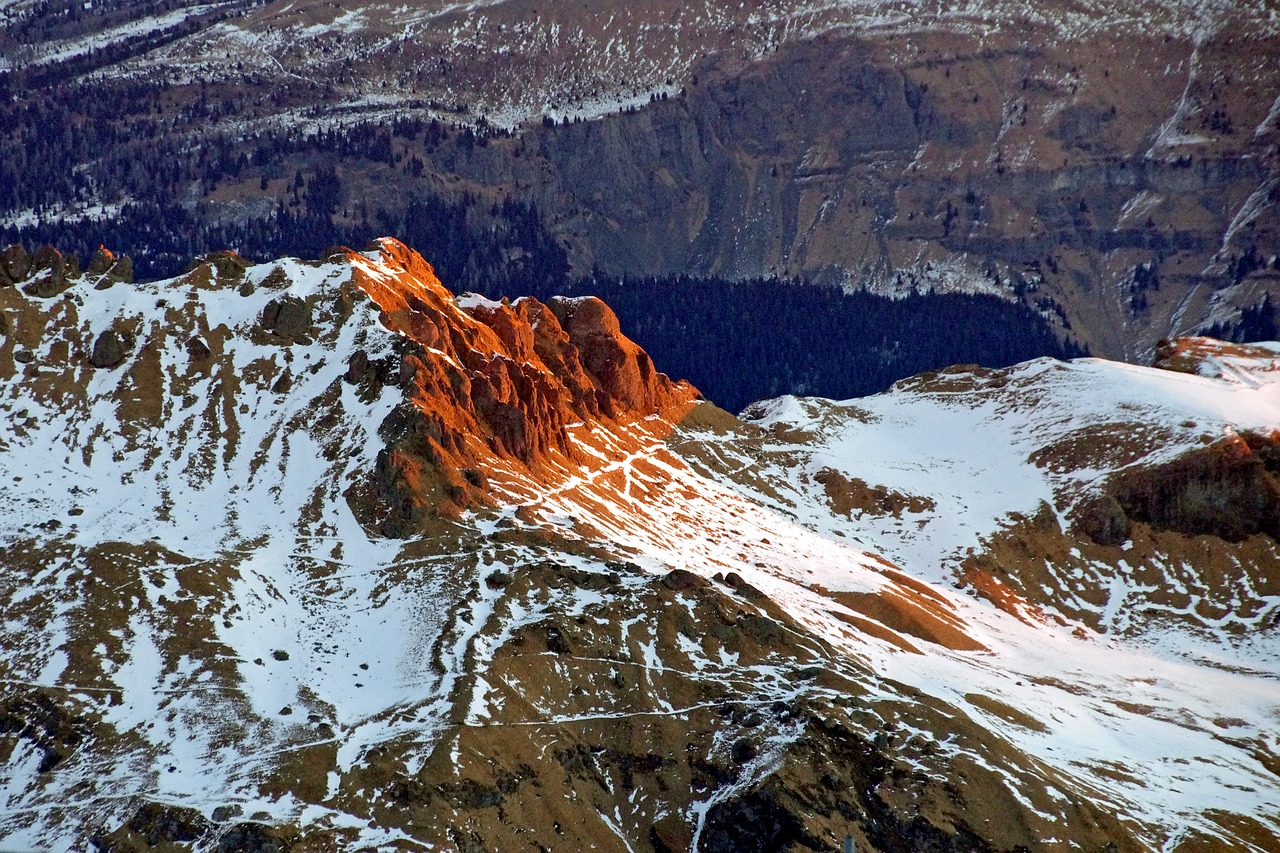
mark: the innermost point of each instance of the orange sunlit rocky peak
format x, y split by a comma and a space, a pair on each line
624, 372
489, 383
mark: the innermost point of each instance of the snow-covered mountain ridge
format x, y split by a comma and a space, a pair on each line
316, 555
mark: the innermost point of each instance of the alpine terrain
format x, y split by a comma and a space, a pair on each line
322, 556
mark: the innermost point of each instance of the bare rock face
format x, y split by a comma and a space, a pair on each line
624, 373
485, 380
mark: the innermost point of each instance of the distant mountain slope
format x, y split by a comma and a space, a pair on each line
1111, 164
317, 555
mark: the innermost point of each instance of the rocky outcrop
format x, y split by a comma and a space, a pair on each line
108, 349
623, 374
51, 273
288, 318
1230, 489
15, 264
1102, 519
1203, 356
486, 380
50, 727
108, 268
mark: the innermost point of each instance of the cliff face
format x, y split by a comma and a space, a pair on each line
1122, 181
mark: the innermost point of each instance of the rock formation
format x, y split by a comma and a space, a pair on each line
484, 379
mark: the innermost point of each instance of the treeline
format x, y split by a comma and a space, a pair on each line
1256, 323
473, 245
742, 341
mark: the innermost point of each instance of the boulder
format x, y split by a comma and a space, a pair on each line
108, 350
101, 262
50, 272
288, 317
681, 580
15, 262
198, 349
1103, 520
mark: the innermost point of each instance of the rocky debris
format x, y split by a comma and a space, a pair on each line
287, 317
108, 349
